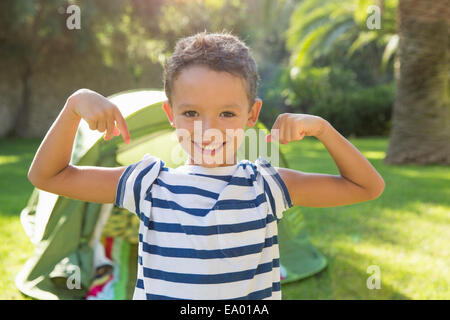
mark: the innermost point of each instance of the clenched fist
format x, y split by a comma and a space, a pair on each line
100, 113
294, 126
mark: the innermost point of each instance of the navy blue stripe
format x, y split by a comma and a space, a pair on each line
231, 180
241, 181
207, 230
137, 187
276, 286
225, 178
209, 278
168, 204
261, 294
140, 284
269, 194
120, 193
151, 296
258, 295
181, 189
287, 197
230, 204
208, 254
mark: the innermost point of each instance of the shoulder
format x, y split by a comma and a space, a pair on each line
274, 185
136, 178
147, 163
265, 168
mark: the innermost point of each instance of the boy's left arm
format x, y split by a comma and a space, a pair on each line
358, 180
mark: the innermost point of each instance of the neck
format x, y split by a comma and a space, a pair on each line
191, 162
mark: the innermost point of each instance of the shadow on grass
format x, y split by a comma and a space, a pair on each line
329, 284
15, 160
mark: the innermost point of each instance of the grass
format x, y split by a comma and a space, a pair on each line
405, 232
15, 248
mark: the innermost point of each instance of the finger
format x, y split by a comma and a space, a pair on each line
92, 124
116, 131
288, 134
275, 131
122, 125
274, 135
109, 129
296, 131
101, 126
283, 131
289, 127
296, 135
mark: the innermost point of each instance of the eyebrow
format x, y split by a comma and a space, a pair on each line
188, 105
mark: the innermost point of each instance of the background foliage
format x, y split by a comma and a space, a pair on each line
313, 56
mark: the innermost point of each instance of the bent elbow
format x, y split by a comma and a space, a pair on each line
35, 180
378, 191
31, 177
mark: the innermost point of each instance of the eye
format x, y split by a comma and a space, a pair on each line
188, 112
230, 114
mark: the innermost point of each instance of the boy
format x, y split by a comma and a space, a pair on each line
208, 229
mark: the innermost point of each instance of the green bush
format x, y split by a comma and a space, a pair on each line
361, 112
334, 94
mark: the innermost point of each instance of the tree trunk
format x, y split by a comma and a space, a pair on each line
21, 121
420, 132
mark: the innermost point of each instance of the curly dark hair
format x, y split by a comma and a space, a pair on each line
218, 51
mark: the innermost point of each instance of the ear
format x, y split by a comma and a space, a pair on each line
169, 112
254, 113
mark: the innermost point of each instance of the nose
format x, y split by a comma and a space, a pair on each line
210, 131
208, 123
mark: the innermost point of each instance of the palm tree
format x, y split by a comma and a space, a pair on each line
316, 25
420, 131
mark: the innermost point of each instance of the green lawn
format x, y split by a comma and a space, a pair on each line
405, 232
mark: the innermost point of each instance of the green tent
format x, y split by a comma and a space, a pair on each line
66, 233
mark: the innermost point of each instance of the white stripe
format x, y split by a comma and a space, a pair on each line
210, 242
212, 218
208, 291
210, 266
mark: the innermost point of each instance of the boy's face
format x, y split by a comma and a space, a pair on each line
216, 105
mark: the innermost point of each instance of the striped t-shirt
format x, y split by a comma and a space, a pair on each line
205, 233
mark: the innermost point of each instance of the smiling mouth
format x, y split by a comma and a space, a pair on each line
209, 150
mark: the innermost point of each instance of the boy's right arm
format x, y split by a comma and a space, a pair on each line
50, 170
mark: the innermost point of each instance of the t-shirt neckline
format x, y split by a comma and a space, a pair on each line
201, 169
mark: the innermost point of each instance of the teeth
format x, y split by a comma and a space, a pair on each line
208, 147
211, 147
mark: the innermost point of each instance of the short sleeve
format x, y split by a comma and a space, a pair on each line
134, 182
274, 187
